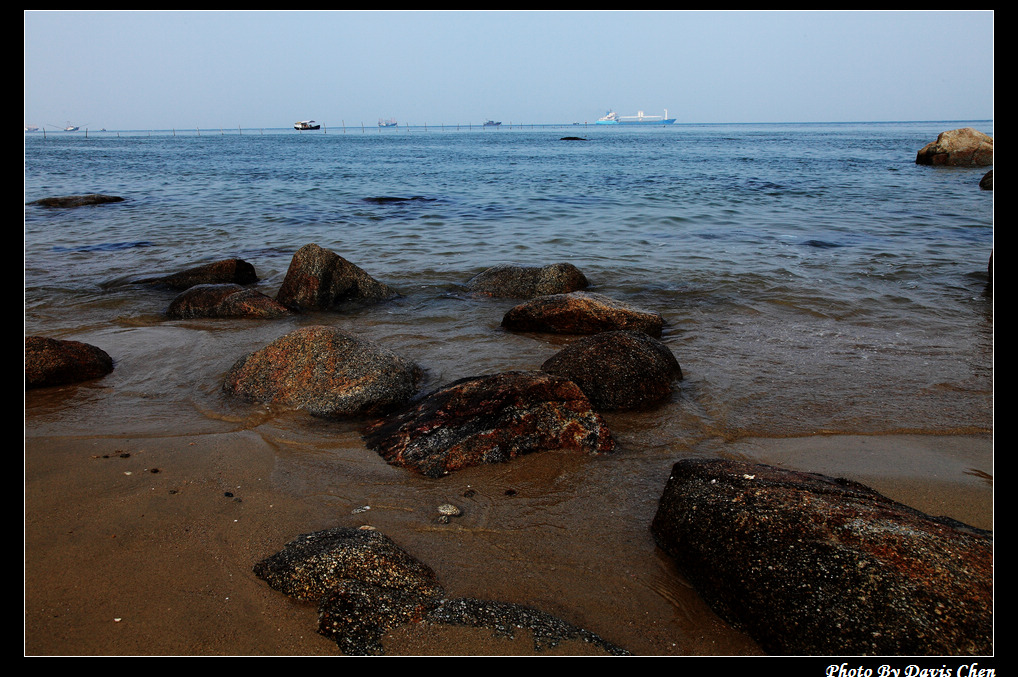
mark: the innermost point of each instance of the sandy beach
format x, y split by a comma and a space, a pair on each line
143, 545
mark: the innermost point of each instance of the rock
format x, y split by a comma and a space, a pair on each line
224, 300
964, 147
227, 271
76, 200
311, 565
815, 565
509, 281
51, 362
580, 313
618, 369
986, 183
326, 372
365, 584
318, 279
489, 419
506, 619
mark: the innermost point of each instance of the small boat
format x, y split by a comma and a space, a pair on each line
306, 125
491, 123
391, 122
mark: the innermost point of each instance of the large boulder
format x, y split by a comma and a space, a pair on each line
618, 369
224, 300
319, 279
51, 362
226, 271
510, 281
325, 372
815, 565
489, 419
580, 313
965, 147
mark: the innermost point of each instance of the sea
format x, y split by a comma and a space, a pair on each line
828, 300
812, 277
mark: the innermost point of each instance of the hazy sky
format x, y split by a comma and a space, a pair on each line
163, 70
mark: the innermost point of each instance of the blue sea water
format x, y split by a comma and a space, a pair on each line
813, 277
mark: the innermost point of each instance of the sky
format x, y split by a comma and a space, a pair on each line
138, 70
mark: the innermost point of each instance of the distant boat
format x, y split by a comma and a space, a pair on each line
491, 123
306, 125
613, 118
31, 128
391, 122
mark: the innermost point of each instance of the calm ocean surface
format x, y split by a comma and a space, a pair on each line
813, 278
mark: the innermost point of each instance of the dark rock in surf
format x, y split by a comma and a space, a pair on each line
51, 362
986, 183
365, 585
77, 200
964, 147
572, 138
509, 281
489, 419
814, 565
318, 279
580, 313
325, 372
224, 300
226, 271
618, 370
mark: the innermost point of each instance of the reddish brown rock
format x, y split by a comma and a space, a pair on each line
50, 362
526, 282
224, 300
814, 565
318, 279
489, 419
580, 313
227, 271
964, 147
618, 369
325, 372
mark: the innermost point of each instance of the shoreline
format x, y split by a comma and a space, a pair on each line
133, 546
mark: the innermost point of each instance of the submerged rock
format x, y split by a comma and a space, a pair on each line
986, 183
580, 313
51, 362
489, 419
618, 369
318, 279
964, 147
364, 585
325, 372
226, 271
224, 300
815, 565
526, 282
76, 200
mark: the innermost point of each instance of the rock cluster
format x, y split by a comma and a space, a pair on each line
364, 585
808, 564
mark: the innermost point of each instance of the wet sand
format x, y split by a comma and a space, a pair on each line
144, 544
